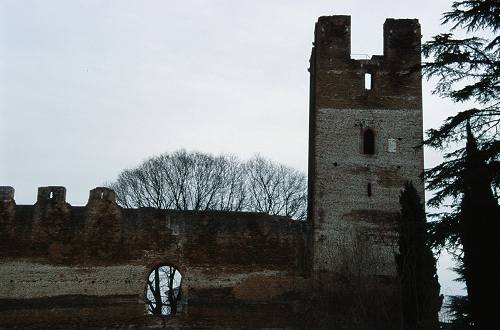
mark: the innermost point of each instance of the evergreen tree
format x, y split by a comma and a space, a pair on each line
468, 69
469, 227
416, 265
479, 212
459, 307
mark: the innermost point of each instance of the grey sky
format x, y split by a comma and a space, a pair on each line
88, 88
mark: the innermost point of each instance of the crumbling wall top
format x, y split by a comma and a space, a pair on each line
6, 194
335, 32
388, 81
102, 194
51, 194
401, 37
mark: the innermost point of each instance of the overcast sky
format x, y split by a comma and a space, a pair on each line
88, 88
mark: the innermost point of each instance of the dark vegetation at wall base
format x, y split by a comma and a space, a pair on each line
421, 301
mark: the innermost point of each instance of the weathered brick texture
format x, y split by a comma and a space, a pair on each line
341, 110
101, 255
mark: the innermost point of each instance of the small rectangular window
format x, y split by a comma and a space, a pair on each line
369, 189
368, 81
391, 145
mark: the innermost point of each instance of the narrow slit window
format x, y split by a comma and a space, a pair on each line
369, 142
369, 189
368, 81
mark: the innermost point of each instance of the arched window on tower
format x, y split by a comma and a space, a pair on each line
368, 142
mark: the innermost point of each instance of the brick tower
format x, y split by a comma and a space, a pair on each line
364, 133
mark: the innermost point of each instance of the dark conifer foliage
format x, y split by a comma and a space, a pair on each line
479, 214
469, 228
416, 265
459, 307
468, 69
468, 72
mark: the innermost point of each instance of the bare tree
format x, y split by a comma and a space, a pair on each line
276, 189
197, 181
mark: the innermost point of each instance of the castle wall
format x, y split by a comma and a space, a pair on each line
57, 261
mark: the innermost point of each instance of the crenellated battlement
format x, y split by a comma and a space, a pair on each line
56, 195
6, 194
102, 231
401, 38
102, 194
51, 194
394, 77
